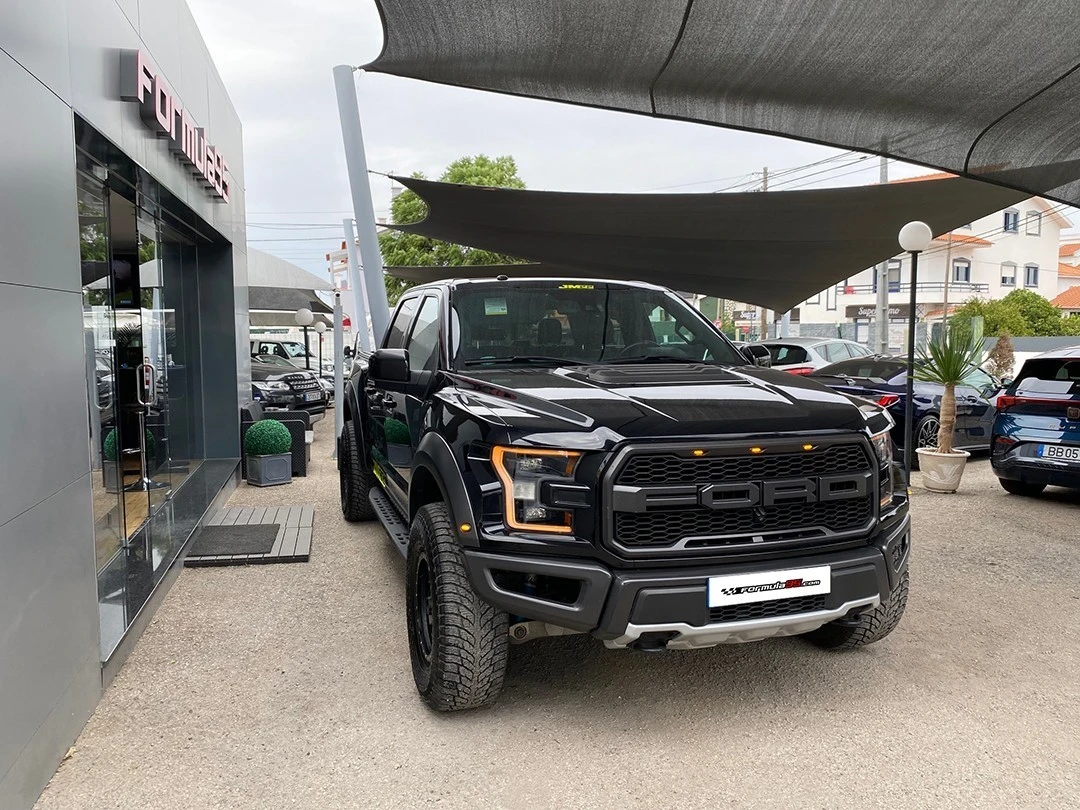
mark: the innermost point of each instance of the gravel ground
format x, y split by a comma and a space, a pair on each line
288, 686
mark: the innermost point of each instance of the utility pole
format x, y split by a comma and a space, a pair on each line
764, 312
882, 315
945, 292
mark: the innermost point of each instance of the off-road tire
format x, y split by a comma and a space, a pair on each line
871, 626
1021, 487
462, 662
354, 479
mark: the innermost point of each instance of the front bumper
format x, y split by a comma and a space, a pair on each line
624, 608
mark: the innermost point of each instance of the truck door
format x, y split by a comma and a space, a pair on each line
386, 411
422, 346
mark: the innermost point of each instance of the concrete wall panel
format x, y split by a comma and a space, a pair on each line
34, 33
48, 629
39, 225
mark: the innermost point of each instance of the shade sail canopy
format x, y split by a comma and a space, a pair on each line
267, 270
973, 88
774, 249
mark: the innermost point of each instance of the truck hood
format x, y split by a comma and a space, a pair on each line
638, 401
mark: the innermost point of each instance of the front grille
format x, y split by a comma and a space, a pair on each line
658, 504
668, 526
669, 469
301, 382
767, 610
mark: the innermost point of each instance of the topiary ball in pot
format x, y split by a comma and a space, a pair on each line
110, 447
267, 437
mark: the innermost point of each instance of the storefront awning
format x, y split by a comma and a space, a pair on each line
773, 249
983, 89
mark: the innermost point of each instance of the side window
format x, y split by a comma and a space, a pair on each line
859, 351
835, 352
279, 350
395, 335
424, 342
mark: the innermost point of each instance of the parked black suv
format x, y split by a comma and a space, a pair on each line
550, 461
275, 387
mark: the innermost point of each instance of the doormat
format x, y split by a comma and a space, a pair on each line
220, 541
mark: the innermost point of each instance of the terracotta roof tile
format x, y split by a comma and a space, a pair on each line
1069, 249
1070, 299
1068, 270
919, 178
962, 239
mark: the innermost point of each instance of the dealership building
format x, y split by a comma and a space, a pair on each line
124, 317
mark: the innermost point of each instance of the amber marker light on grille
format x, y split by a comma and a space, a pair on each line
756, 450
808, 447
698, 452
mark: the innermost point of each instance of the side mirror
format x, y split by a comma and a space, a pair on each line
1007, 381
389, 366
757, 355
347, 352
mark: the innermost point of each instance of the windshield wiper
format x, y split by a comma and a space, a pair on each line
533, 359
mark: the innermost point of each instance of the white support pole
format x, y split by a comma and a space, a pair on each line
359, 292
785, 324
363, 209
339, 371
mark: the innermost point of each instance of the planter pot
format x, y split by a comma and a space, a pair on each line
941, 472
110, 472
269, 471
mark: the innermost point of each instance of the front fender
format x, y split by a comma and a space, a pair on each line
435, 456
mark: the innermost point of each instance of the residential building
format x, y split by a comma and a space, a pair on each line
1017, 248
1068, 265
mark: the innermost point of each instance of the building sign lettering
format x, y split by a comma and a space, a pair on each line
870, 311
162, 111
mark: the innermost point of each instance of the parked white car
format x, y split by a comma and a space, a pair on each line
802, 355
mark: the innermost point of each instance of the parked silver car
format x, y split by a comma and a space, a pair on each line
802, 355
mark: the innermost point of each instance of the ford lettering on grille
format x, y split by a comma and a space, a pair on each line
724, 501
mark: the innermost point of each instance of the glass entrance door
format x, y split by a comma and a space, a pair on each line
141, 446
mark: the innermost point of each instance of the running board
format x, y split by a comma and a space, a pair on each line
390, 519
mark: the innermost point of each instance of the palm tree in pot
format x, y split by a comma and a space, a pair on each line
949, 362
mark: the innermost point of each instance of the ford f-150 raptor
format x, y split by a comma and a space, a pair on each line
577, 456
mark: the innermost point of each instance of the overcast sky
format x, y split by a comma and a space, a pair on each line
276, 59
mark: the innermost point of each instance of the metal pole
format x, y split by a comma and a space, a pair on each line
948, 277
307, 352
764, 312
363, 208
356, 282
909, 403
882, 314
339, 371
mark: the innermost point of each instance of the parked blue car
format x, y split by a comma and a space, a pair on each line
883, 379
1036, 435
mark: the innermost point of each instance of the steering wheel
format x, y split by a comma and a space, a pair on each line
640, 345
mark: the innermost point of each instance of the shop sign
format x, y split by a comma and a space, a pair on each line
861, 311
162, 111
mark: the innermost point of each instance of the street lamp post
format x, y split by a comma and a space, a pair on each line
915, 237
304, 317
320, 327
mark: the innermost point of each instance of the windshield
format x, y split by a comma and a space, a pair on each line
579, 322
294, 349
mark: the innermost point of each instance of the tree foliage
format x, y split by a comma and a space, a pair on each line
1001, 359
413, 250
1021, 313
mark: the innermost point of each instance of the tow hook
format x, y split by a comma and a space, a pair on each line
652, 642
852, 618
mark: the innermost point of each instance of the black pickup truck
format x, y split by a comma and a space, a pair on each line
556, 457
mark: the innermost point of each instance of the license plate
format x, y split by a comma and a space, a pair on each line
737, 589
1059, 452
311, 396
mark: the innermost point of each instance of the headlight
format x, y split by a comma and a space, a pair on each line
522, 472
271, 385
883, 448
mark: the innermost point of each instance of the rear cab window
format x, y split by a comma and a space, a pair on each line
787, 354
